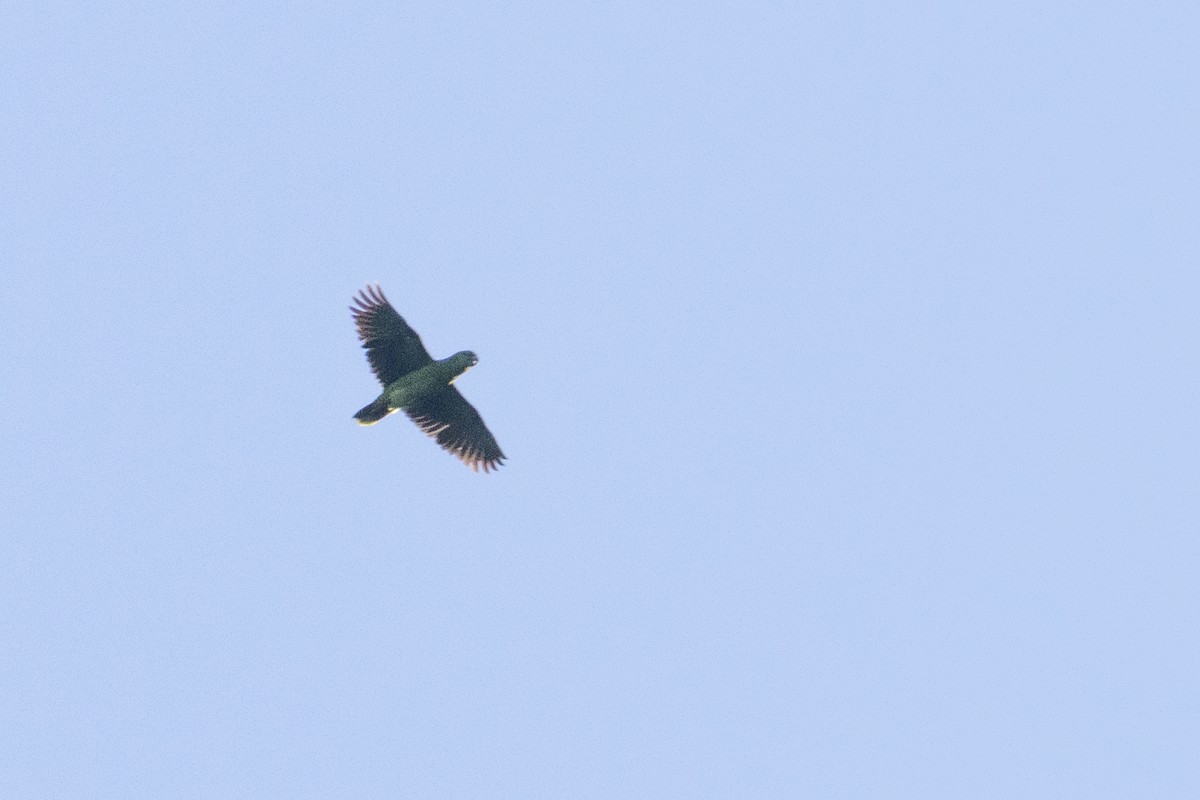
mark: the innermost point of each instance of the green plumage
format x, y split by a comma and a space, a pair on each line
421, 387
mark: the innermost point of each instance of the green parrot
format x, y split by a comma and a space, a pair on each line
418, 385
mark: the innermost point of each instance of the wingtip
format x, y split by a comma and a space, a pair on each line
367, 297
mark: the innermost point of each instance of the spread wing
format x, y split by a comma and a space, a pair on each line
393, 348
448, 417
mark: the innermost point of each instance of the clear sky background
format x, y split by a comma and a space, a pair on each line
844, 355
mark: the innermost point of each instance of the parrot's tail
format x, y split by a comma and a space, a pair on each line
371, 414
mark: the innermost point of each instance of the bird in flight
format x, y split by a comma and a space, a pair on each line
419, 386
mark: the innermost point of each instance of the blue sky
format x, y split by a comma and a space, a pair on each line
843, 353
